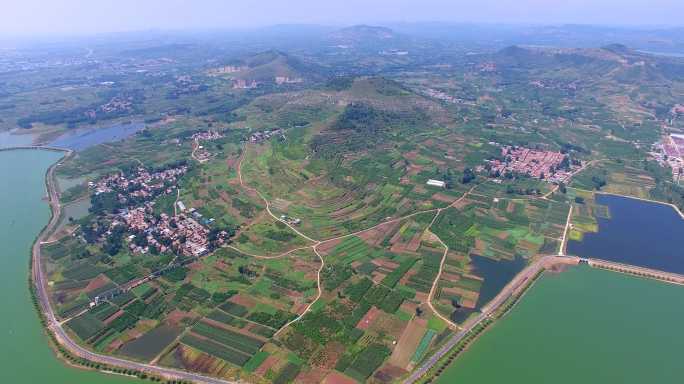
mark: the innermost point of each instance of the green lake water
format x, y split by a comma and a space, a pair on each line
582, 326
25, 356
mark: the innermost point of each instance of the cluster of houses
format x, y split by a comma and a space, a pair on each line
227, 69
181, 233
555, 167
118, 104
207, 135
201, 154
186, 233
669, 152
142, 184
260, 136
244, 84
280, 80
439, 95
443, 96
185, 85
487, 67
290, 220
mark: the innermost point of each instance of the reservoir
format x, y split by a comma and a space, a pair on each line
638, 233
581, 326
26, 356
496, 274
80, 139
14, 139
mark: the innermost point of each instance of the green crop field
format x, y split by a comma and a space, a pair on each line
85, 326
282, 209
234, 340
216, 349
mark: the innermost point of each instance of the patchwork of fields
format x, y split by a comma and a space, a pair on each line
335, 270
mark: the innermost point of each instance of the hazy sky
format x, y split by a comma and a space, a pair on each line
28, 17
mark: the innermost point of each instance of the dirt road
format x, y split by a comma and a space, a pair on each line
56, 327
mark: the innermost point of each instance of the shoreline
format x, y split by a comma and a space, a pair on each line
474, 334
66, 349
681, 214
500, 306
435, 364
73, 354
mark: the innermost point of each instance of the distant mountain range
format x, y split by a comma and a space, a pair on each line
361, 34
614, 61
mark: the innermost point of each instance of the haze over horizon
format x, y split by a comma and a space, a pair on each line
81, 17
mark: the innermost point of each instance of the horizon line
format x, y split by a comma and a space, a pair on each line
14, 36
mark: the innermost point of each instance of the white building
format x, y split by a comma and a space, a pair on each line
436, 183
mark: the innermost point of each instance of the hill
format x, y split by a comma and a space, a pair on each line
267, 67
614, 62
361, 34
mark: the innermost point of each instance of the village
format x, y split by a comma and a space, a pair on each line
181, 233
200, 153
185, 233
141, 184
554, 167
669, 152
258, 137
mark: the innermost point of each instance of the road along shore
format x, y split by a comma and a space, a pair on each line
57, 333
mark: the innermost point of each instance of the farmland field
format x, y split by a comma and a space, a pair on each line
150, 344
329, 208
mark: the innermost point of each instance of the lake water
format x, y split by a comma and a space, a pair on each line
670, 54
64, 183
25, 356
75, 210
638, 232
80, 139
11, 139
582, 326
496, 275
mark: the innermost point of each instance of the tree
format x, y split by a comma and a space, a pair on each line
468, 176
562, 188
598, 181
448, 178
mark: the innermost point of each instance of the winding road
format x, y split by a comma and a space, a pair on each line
56, 327
514, 287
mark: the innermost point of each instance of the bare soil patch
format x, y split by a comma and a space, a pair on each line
243, 300
98, 282
314, 376
327, 356
326, 247
338, 378
439, 196
269, 363
368, 318
388, 264
389, 373
113, 317
407, 344
176, 316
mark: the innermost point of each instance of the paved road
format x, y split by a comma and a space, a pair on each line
435, 283
64, 339
668, 277
564, 239
56, 328
510, 289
